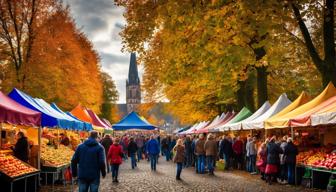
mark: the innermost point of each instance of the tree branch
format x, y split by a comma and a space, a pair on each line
298, 39
328, 32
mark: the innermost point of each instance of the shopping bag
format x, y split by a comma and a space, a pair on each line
67, 175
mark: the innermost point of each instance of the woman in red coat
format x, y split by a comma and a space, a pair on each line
114, 156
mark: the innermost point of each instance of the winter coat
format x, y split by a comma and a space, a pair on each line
199, 147
290, 153
210, 147
115, 154
164, 144
152, 147
273, 150
132, 147
251, 149
89, 157
282, 156
21, 149
188, 147
225, 148
106, 143
140, 142
238, 147
179, 156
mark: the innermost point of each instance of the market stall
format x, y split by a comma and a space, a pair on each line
132, 121
13, 118
243, 114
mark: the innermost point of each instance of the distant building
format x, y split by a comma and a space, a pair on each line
133, 91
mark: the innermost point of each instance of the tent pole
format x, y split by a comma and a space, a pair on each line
39, 148
292, 132
1, 135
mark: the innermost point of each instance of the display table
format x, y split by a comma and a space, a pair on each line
53, 172
24, 178
319, 177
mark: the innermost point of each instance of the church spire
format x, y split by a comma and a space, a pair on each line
133, 77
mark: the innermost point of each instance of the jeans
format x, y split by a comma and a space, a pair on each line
247, 164
84, 186
139, 153
227, 161
283, 172
188, 160
115, 170
200, 163
178, 169
291, 173
167, 154
252, 163
133, 160
210, 160
153, 160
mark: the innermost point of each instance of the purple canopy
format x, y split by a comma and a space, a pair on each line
14, 113
96, 120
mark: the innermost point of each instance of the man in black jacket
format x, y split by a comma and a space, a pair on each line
225, 151
21, 147
132, 150
106, 142
290, 154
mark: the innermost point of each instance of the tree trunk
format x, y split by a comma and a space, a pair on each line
249, 97
241, 94
262, 85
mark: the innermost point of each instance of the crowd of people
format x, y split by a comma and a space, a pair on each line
273, 159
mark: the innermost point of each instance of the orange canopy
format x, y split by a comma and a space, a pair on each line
283, 121
81, 114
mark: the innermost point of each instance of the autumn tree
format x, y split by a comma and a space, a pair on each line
19, 20
110, 97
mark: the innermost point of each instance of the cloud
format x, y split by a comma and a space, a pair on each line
102, 21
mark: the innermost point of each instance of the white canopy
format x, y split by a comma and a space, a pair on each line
323, 118
259, 112
258, 123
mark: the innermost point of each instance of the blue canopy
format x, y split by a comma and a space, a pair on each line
132, 121
49, 117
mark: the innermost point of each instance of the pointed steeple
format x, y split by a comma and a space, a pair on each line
133, 77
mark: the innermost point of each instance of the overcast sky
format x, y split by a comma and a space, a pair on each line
101, 20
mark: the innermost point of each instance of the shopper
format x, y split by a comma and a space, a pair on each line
179, 157
211, 149
194, 156
290, 153
238, 152
21, 149
106, 142
200, 152
132, 150
153, 150
225, 151
165, 148
252, 155
114, 156
140, 144
261, 163
89, 162
188, 151
272, 150
283, 168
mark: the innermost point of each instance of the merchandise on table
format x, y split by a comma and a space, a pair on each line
13, 167
53, 157
319, 158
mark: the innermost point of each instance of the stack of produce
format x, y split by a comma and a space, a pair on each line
13, 167
302, 157
56, 157
328, 162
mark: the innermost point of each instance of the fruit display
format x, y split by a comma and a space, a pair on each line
319, 158
328, 162
13, 167
53, 157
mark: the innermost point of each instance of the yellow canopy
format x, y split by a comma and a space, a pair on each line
98, 129
282, 120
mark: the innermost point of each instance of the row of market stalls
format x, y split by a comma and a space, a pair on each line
43, 124
311, 122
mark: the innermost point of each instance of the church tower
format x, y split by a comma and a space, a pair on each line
133, 92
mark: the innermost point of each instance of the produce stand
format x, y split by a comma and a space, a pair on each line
53, 172
19, 172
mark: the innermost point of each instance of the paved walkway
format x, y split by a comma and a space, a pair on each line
143, 179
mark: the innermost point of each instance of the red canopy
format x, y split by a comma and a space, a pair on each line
96, 120
14, 113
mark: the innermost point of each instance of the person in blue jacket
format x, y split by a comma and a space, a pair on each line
89, 161
153, 150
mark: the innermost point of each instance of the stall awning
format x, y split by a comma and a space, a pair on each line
258, 123
49, 119
132, 121
229, 116
283, 121
243, 114
304, 119
214, 123
273, 122
81, 114
259, 112
327, 116
13, 113
96, 120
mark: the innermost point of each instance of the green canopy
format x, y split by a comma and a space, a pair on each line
243, 114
